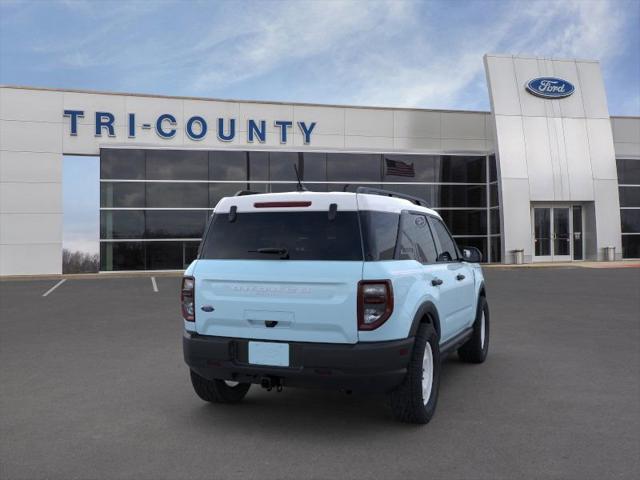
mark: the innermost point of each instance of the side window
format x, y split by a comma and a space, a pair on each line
447, 250
416, 242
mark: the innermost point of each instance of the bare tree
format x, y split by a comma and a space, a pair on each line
79, 262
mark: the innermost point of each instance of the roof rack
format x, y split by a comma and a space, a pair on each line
389, 193
242, 193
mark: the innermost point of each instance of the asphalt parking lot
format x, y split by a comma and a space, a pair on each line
93, 385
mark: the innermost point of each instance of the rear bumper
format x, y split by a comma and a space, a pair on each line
370, 367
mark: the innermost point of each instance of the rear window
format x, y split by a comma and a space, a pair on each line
280, 235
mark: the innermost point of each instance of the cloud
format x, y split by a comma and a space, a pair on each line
392, 53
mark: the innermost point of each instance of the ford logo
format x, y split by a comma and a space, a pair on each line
550, 87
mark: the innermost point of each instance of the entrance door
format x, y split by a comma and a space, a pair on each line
561, 234
542, 233
557, 233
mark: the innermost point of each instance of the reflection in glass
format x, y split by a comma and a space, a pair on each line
630, 221
363, 167
177, 165
122, 256
629, 196
123, 164
628, 171
630, 246
175, 223
465, 222
119, 195
121, 224
281, 165
224, 165
315, 167
177, 195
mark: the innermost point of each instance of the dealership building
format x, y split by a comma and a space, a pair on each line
546, 175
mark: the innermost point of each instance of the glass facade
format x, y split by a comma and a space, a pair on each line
629, 191
154, 204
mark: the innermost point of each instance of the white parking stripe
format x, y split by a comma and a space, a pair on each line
155, 285
54, 287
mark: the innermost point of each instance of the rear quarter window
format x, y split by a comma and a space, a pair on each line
304, 236
380, 232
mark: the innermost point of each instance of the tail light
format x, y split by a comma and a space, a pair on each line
375, 303
187, 299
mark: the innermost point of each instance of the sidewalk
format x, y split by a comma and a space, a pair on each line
579, 264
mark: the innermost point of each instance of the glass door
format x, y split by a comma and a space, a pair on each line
561, 234
542, 233
557, 233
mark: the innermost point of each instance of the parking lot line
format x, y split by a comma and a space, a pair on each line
54, 287
154, 284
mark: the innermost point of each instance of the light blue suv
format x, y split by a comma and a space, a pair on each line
362, 291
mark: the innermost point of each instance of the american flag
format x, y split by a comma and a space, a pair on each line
399, 168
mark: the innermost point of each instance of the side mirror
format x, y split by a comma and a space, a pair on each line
471, 254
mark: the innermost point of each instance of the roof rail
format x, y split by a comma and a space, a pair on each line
242, 193
389, 193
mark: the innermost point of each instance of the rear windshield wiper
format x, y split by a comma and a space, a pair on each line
283, 252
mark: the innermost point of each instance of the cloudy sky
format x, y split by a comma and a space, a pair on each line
392, 53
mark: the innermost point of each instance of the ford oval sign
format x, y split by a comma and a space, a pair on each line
550, 87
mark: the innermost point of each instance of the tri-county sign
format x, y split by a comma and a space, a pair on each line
196, 127
550, 87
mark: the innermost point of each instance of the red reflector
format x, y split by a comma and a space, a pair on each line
280, 204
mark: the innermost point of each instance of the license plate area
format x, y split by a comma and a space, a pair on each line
269, 353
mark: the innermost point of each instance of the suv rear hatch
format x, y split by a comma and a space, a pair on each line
281, 267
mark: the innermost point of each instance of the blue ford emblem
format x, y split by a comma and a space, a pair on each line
550, 87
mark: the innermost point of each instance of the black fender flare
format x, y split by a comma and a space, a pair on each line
428, 313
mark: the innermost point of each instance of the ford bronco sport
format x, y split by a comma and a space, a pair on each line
363, 291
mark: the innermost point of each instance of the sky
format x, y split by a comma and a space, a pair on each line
385, 53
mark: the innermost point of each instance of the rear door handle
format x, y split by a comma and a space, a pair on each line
460, 277
436, 281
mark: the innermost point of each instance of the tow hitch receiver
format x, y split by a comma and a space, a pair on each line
270, 383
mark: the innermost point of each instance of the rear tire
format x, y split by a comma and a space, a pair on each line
414, 401
475, 350
218, 391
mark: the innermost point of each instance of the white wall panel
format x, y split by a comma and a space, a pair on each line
21, 136
465, 126
525, 70
422, 144
601, 149
578, 159
30, 105
31, 197
30, 167
369, 122
329, 120
19, 228
539, 164
571, 106
31, 259
503, 85
626, 130
417, 124
465, 146
607, 209
517, 218
592, 84
368, 143
513, 163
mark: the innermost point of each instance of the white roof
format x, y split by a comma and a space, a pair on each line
319, 201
